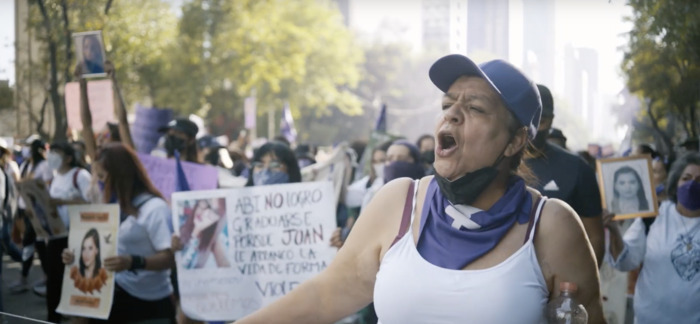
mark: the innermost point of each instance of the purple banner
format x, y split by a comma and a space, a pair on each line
162, 174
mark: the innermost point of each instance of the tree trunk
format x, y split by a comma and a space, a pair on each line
58, 109
693, 124
655, 125
69, 41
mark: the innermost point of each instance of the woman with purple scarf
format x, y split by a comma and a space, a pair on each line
472, 244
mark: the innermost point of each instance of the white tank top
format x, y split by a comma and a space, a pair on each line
409, 289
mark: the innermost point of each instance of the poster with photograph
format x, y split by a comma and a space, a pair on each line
90, 52
626, 187
244, 248
88, 288
42, 215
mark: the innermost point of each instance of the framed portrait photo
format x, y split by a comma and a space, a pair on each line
626, 187
90, 53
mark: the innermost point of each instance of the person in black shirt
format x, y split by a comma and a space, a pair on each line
564, 175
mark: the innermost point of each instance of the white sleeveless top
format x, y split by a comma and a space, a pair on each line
409, 289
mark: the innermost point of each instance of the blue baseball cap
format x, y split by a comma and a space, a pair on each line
518, 92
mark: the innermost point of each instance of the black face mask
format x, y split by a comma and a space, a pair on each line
466, 189
173, 143
428, 156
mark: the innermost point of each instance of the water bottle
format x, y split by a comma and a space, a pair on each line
565, 309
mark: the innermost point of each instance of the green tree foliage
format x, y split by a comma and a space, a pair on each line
295, 51
662, 66
212, 56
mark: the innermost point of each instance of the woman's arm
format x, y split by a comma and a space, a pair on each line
161, 260
220, 255
626, 253
566, 255
86, 116
119, 108
348, 283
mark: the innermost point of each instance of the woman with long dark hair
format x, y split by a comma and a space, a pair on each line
628, 192
90, 258
200, 235
70, 185
142, 265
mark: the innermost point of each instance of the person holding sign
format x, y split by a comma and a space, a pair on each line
473, 243
668, 286
143, 288
70, 186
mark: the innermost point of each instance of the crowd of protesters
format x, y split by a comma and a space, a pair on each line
492, 180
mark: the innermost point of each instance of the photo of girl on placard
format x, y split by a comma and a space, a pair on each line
626, 187
90, 52
89, 276
204, 232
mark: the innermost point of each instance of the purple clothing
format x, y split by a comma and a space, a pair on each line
447, 247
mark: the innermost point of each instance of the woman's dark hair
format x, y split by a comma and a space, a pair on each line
69, 151
207, 235
641, 196
424, 137
677, 171
92, 233
113, 129
647, 149
284, 154
126, 176
95, 47
37, 148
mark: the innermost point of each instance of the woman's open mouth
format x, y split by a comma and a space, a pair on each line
446, 144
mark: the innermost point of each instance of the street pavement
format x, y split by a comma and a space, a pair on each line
26, 304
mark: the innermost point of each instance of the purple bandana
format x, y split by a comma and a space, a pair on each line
445, 246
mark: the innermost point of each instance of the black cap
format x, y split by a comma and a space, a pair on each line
547, 101
183, 125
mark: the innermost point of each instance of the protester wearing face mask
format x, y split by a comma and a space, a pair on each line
471, 244
70, 185
274, 163
668, 287
564, 175
426, 145
360, 192
403, 161
180, 136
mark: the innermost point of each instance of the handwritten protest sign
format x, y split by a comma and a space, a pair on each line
100, 100
162, 174
244, 248
88, 289
42, 215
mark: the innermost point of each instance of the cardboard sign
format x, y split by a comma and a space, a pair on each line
88, 288
42, 215
244, 248
101, 103
162, 174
